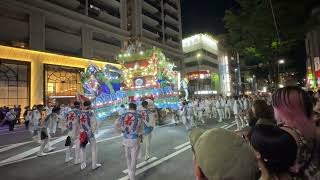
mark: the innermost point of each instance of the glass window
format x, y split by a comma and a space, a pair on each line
61, 82
14, 83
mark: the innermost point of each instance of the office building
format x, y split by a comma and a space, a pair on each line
45, 44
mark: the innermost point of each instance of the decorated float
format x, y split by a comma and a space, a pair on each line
143, 75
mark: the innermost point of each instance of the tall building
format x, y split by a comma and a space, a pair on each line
45, 44
313, 52
205, 66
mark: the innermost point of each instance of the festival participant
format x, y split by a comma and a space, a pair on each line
219, 107
48, 127
122, 109
149, 124
201, 109
244, 114
131, 125
184, 115
207, 108
237, 109
213, 107
35, 119
227, 108
10, 118
190, 115
73, 128
87, 128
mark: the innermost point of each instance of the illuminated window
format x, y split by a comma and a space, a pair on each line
62, 81
14, 83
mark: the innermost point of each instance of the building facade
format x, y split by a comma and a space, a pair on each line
205, 66
313, 52
46, 44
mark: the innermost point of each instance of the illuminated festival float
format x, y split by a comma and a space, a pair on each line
143, 75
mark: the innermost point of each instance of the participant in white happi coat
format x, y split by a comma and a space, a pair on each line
237, 110
207, 108
246, 106
227, 108
88, 126
131, 125
213, 107
48, 127
122, 110
219, 107
72, 125
35, 120
190, 115
184, 115
149, 124
200, 110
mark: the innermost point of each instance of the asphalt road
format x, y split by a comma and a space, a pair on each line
171, 157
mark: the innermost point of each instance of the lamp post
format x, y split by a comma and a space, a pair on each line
281, 61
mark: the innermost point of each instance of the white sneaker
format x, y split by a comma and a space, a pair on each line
41, 154
51, 149
96, 166
68, 159
146, 157
76, 162
83, 166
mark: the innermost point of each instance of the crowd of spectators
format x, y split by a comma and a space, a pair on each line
281, 143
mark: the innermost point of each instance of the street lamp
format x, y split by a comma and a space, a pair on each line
281, 61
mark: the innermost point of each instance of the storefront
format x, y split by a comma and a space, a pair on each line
32, 77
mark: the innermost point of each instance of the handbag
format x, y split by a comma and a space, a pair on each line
68, 141
83, 139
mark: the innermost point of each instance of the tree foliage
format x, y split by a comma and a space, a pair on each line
251, 29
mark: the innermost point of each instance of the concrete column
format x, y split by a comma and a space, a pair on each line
86, 42
37, 82
37, 31
180, 22
123, 14
137, 18
163, 19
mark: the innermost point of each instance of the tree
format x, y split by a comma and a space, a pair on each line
251, 30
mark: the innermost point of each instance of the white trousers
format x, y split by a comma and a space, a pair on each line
93, 146
214, 112
238, 121
76, 142
186, 122
132, 153
147, 140
200, 116
45, 143
220, 113
227, 113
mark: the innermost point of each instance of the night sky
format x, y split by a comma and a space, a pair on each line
204, 16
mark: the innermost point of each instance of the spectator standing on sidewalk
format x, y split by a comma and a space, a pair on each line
219, 154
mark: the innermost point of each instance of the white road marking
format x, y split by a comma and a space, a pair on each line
224, 126
142, 164
182, 145
49, 153
155, 163
12, 146
31, 151
231, 125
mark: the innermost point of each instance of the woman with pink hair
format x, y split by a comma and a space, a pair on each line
294, 111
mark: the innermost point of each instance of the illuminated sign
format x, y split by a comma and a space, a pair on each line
200, 41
